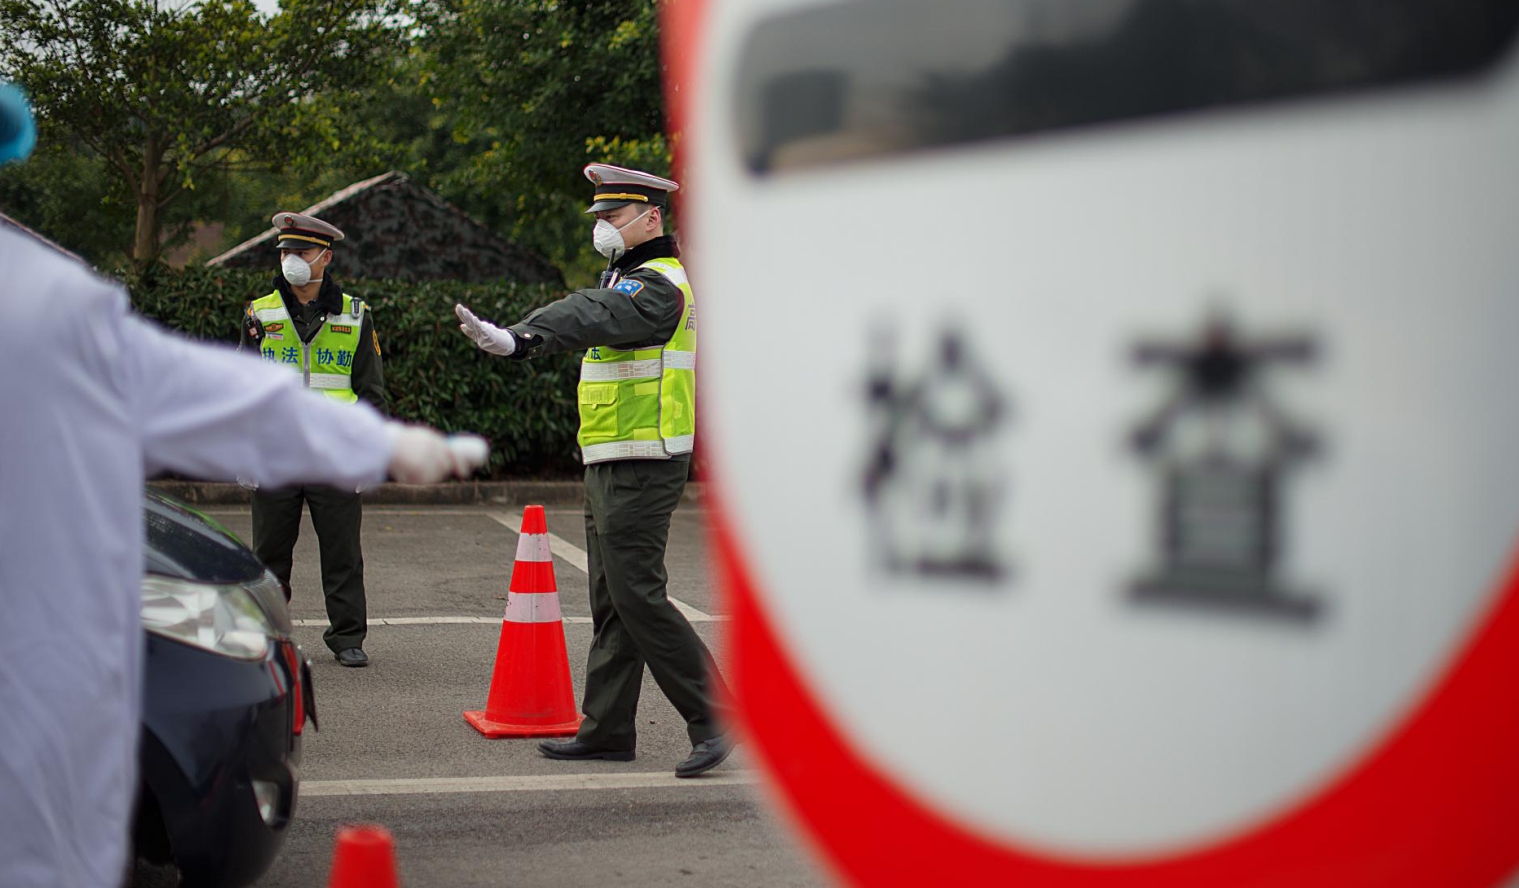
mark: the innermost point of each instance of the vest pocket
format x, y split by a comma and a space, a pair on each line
598, 410
675, 419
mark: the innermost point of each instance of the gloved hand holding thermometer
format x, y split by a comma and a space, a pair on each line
420, 455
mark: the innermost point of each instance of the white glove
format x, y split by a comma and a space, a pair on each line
420, 455
488, 336
469, 452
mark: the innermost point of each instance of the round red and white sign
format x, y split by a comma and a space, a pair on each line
1123, 497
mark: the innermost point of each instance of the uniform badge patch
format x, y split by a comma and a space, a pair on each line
269, 335
632, 288
338, 328
274, 326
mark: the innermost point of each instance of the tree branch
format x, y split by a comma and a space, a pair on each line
114, 158
283, 83
231, 133
173, 194
82, 61
309, 62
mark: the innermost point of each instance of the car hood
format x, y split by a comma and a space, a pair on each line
181, 542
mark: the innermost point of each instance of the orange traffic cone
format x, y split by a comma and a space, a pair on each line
365, 857
531, 694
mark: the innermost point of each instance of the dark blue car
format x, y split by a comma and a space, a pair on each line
227, 697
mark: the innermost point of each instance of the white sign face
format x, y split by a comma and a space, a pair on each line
1116, 489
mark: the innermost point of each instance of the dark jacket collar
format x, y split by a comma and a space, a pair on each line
330, 297
661, 247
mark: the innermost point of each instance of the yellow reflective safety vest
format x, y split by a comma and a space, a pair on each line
326, 362
641, 404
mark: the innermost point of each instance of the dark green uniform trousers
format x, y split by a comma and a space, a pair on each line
628, 504
338, 517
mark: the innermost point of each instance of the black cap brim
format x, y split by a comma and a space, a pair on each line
602, 206
611, 195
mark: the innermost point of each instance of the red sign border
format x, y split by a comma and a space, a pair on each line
1434, 804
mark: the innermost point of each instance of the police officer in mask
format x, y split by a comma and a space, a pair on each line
637, 399
311, 327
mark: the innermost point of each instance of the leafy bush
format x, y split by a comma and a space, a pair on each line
433, 374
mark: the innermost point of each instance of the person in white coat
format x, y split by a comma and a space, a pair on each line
93, 397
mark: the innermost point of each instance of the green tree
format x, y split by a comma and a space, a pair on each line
169, 95
536, 89
69, 195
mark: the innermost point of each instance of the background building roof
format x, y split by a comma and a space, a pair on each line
8, 222
397, 229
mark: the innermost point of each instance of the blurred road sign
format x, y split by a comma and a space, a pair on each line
1262, 621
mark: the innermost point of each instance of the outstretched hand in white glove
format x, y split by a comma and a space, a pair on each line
488, 336
420, 455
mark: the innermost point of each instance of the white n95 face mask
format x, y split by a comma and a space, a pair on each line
608, 238
295, 269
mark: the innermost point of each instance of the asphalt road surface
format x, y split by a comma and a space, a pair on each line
394, 748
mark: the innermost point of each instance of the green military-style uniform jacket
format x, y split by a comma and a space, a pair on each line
637, 396
592, 317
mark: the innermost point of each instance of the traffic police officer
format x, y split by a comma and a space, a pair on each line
311, 326
637, 424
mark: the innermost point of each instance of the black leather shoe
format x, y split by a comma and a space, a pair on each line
353, 657
574, 751
705, 756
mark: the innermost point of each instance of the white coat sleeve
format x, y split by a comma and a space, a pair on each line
208, 411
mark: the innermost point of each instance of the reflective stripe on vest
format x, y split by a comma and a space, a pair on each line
647, 369
662, 449
326, 362
641, 404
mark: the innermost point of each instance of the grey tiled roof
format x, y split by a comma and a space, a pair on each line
395, 228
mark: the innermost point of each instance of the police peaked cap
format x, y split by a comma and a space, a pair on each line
298, 231
616, 186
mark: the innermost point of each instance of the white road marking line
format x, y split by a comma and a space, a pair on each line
479, 621
532, 783
679, 510
382, 510
557, 544
569, 552
434, 621
368, 510
577, 559
692, 614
